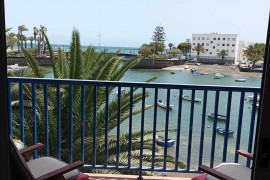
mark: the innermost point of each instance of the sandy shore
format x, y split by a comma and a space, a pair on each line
226, 70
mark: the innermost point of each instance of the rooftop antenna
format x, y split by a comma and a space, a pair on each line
99, 36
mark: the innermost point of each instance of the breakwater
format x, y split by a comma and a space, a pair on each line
143, 64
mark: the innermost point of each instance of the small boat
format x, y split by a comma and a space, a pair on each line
186, 67
172, 72
219, 117
160, 140
218, 76
164, 105
240, 80
188, 98
204, 73
123, 91
251, 97
193, 69
221, 130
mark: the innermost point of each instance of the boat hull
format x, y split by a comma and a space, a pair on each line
170, 143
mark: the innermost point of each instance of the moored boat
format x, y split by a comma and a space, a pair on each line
189, 98
240, 80
123, 91
205, 73
251, 97
221, 130
218, 76
164, 105
193, 69
161, 142
220, 117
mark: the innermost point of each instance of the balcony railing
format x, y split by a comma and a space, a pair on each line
196, 139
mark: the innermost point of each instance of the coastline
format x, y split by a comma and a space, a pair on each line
226, 70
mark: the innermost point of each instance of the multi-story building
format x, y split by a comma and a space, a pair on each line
214, 43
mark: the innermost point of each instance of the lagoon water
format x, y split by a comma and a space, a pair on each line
186, 77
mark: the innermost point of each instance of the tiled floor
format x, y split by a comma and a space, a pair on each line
177, 176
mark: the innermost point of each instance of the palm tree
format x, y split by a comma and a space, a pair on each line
255, 52
21, 29
31, 39
199, 49
90, 65
170, 45
35, 35
24, 39
223, 53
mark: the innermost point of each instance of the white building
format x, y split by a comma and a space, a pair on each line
214, 43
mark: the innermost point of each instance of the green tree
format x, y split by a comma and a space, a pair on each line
175, 51
90, 65
199, 49
184, 47
159, 38
255, 52
145, 50
170, 45
223, 53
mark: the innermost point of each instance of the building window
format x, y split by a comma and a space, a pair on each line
228, 39
198, 43
194, 38
217, 50
228, 44
232, 44
218, 44
211, 41
227, 50
210, 52
207, 44
194, 44
203, 38
206, 49
214, 47
203, 44
233, 39
232, 50
199, 38
224, 39
223, 44
214, 38
218, 38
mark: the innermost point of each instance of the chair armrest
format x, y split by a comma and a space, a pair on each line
61, 171
214, 173
31, 149
245, 154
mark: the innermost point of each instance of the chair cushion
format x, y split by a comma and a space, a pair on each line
234, 170
82, 176
43, 165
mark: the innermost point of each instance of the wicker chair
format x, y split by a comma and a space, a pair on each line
226, 171
43, 167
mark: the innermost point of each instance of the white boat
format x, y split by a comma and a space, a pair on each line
193, 69
15, 67
218, 76
186, 67
240, 80
251, 97
164, 105
188, 98
205, 73
123, 91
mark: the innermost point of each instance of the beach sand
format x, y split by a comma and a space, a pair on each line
225, 70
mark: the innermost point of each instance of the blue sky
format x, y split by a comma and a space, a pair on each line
130, 23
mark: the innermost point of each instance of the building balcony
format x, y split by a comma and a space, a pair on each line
117, 127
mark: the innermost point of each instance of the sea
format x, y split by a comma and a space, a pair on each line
186, 77
124, 50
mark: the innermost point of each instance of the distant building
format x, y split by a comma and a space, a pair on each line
214, 43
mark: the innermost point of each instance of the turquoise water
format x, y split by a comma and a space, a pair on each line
127, 50
186, 77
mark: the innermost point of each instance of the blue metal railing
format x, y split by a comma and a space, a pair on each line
197, 141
